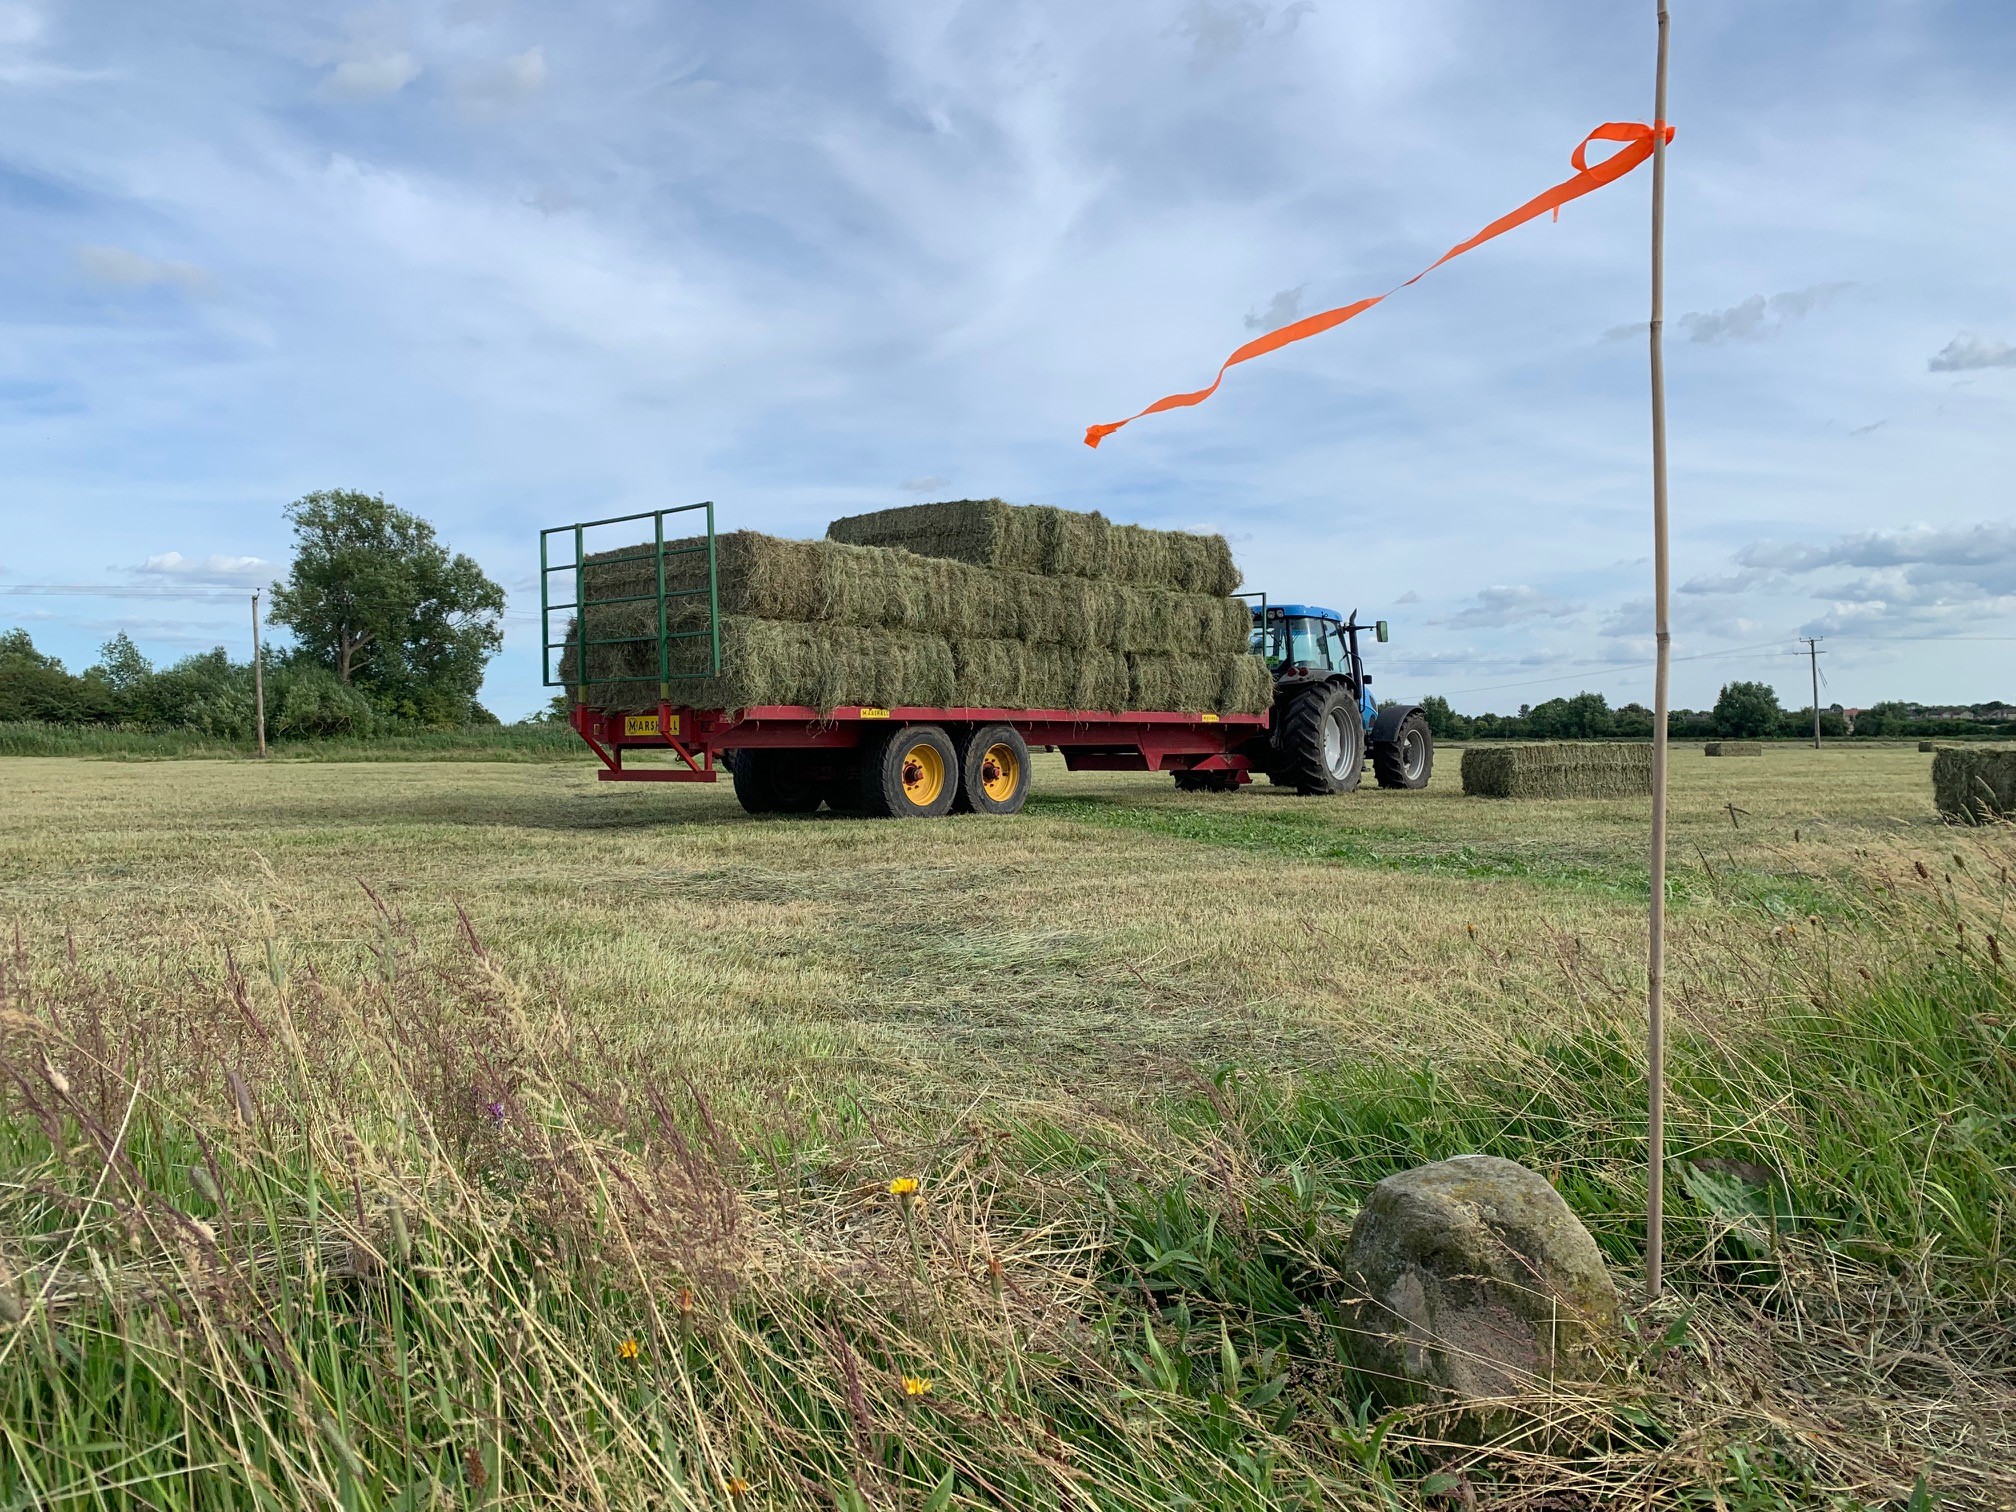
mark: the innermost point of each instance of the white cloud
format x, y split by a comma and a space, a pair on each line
1284, 307
1966, 352
1756, 317
215, 568
119, 266
504, 84
1501, 606
374, 75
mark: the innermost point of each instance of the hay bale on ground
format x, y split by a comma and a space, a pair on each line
1733, 748
1559, 770
1975, 785
1053, 542
1926, 745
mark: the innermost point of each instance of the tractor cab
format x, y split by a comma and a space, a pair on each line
1325, 721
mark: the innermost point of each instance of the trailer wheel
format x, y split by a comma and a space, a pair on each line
1207, 782
909, 773
993, 771
1408, 759
771, 782
1322, 742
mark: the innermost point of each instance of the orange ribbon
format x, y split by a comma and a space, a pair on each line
1637, 138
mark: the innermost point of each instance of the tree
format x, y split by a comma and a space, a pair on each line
1444, 723
374, 597
122, 666
1746, 709
1586, 716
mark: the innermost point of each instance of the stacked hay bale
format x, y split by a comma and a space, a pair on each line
1733, 748
1974, 785
1112, 621
1560, 770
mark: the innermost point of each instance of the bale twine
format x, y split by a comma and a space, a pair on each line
1558, 770
1975, 785
1039, 539
1733, 748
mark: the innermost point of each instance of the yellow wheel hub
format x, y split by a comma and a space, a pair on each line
1000, 773
923, 774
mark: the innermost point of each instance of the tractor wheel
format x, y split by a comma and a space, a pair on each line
993, 772
1408, 759
1207, 782
1321, 744
909, 773
772, 782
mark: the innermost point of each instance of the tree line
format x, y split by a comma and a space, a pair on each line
386, 629
1743, 710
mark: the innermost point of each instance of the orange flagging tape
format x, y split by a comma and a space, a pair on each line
1637, 139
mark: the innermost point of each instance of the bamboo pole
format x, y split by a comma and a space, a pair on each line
1655, 996
258, 676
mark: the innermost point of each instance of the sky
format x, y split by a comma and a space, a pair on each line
516, 264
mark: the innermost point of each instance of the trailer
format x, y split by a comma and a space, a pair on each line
922, 761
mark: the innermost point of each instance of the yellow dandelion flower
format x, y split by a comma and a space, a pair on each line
629, 1349
903, 1186
916, 1386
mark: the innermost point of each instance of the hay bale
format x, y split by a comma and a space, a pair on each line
1037, 538
1559, 770
1207, 684
1733, 748
830, 582
1975, 785
1926, 745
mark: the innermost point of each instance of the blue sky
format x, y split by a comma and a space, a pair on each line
515, 264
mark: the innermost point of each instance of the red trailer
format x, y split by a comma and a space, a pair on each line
918, 762
926, 761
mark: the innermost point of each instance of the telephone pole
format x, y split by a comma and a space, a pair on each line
258, 676
1813, 660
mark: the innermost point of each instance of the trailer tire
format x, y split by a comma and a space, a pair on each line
909, 773
771, 782
993, 771
1408, 759
1321, 746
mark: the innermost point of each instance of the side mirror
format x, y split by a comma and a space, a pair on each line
1379, 629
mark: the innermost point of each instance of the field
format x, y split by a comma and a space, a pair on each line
1142, 1049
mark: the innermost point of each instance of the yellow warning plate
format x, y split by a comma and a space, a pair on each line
646, 725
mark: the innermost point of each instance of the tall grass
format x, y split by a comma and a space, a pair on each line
425, 1239
121, 743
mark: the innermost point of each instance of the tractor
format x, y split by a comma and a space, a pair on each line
1325, 721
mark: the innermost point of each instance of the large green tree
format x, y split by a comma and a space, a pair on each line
1746, 709
376, 598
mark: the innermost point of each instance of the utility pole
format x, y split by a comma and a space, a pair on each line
1813, 659
1655, 974
258, 676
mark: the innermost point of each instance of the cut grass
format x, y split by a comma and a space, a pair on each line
116, 743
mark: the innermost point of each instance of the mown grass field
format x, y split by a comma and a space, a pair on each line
412, 1134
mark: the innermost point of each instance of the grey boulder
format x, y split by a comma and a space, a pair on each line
1475, 1287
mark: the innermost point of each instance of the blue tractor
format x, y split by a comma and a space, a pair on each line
1325, 721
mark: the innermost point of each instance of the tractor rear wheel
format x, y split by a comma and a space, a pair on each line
1321, 743
993, 771
772, 782
909, 773
1408, 759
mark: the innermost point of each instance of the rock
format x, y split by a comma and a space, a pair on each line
1474, 1281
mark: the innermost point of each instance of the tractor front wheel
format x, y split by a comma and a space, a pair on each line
1320, 747
1408, 759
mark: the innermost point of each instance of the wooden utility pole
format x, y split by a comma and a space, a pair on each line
1813, 658
1655, 983
258, 676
